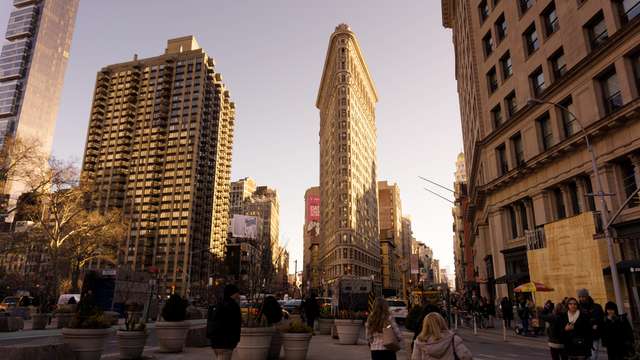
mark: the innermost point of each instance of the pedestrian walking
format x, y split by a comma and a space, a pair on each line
223, 324
577, 334
594, 313
311, 310
506, 306
436, 341
379, 320
524, 313
617, 334
555, 331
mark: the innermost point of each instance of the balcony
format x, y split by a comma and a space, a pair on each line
535, 239
20, 3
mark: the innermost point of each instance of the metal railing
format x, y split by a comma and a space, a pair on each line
535, 239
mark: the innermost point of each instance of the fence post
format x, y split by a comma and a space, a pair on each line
455, 316
475, 327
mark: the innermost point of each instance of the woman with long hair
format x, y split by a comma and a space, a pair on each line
379, 319
577, 332
437, 342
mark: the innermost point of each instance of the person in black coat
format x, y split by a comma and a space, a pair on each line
272, 310
311, 310
223, 324
506, 306
577, 334
555, 331
617, 335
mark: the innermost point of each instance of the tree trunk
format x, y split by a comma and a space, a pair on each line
75, 277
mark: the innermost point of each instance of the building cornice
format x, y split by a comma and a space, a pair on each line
447, 13
343, 30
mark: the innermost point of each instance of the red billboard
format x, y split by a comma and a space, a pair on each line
313, 209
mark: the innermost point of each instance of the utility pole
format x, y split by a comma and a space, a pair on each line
295, 273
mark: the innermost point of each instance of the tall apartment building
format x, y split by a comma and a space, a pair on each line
265, 205
349, 233
463, 251
391, 245
241, 191
311, 241
530, 181
159, 146
33, 61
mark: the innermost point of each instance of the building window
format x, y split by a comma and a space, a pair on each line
522, 209
505, 64
537, 82
518, 149
501, 28
611, 91
492, 80
513, 222
569, 125
501, 156
629, 9
546, 135
635, 64
525, 5
496, 116
597, 30
629, 181
512, 107
484, 10
487, 44
572, 188
558, 64
531, 39
550, 19
559, 202
591, 203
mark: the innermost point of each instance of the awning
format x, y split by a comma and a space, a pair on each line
624, 266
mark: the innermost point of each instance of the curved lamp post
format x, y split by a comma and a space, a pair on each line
604, 214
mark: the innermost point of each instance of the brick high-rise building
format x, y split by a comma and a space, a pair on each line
349, 233
391, 241
33, 61
159, 146
530, 180
311, 241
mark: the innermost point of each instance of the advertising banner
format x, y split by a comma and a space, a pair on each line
313, 209
244, 226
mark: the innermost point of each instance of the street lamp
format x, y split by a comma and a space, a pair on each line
604, 214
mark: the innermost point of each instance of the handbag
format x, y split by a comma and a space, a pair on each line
389, 339
453, 347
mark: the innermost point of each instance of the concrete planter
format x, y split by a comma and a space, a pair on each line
64, 319
40, 321
131, 343
348, 331
254, 343
296, 345
87, 344
172, 335
407, 336
324, 326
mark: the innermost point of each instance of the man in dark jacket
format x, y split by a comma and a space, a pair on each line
594, 313
506, 306
223, 324
311, 310
617, 334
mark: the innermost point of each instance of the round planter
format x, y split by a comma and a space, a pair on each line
295, 345
131, 343
172, 335
407, 336
324, 326
348, 331
86, 344
64, 319
254, 343
40, 321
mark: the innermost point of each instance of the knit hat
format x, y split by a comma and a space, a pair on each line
611, 306
230, 290
583, 293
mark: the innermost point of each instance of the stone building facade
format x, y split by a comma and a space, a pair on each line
529, 171
391, 245
159, 147
349, 231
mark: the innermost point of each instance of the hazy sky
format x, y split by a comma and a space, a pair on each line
271, 54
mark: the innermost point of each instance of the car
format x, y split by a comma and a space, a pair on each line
398, 309
9, 302
292, 306
64, 299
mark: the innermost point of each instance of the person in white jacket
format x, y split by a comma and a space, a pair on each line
436, 342
379, 319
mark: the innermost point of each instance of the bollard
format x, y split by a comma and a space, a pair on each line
455, 316
475, 328
504, 331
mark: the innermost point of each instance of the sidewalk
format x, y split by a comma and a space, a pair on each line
322, 347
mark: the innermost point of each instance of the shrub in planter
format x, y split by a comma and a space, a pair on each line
64, 315
325, 322
348, 325
132, 338
295, 339
172, 332
87, 330
255, 335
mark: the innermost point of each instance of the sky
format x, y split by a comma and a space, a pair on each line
271, 54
